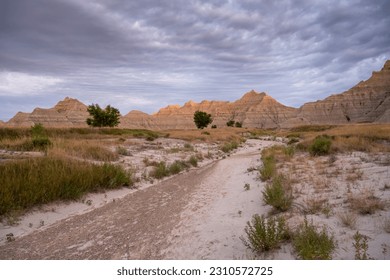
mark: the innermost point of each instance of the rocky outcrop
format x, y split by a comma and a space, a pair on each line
67, 113
368, 101
252, 110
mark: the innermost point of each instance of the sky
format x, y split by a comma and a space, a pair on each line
144, 55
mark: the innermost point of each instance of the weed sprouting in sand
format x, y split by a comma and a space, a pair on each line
265, 234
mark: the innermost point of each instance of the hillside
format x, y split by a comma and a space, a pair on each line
367, 102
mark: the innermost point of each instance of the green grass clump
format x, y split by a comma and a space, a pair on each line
26, 183
265, 234
311, 244
160, 170
268, 170
177, 167
193, 161
229, 146
320, 146
278, 194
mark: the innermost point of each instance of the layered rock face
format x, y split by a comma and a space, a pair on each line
67, 113
368, 101
252, 110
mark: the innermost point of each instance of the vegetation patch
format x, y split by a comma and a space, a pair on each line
265, 234
26, 183
229, 146
311, 244
365, 202
320, 146
278, 194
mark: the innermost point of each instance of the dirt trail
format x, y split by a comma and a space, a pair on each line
198, 214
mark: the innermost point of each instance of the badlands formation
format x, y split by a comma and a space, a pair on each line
367, 102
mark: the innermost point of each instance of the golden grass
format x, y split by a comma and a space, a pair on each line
354, 137
84, 149
214, 134
365, 202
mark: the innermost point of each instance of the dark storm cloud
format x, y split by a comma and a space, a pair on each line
146, 54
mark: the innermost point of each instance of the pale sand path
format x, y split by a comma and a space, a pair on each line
198, 214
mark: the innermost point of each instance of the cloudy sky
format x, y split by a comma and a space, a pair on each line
147, 54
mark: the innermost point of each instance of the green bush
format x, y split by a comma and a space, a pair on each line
26, 183
177, 167
160, 170
193, 161
278, 194
320, 146
230, 123
268, 170
229, 146
238, 124
264, 235
311, 244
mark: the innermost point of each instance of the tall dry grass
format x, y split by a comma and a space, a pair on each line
35, 181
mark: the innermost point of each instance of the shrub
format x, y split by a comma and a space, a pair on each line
229, 146
264, 235
202, 119
238, 124
160, 170
268, 170
247, 187
26, 183
278, 194
214, 126
230, 123
311, 244
176, 167
193, 161
320, 146
361, 246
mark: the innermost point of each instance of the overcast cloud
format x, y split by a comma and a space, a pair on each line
147, 54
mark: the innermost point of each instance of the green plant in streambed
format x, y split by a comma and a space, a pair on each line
361, 246
229, 146
268, 170
160, 170
265, 234
177, 166
193, 161
311, 244
278, 194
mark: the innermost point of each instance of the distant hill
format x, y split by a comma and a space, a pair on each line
367, 102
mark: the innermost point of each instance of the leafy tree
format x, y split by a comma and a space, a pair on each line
101, 118
202, 119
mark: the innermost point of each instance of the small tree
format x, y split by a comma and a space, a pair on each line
230, 123
101, 118
202, 119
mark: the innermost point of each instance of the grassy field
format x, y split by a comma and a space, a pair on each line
70, 162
